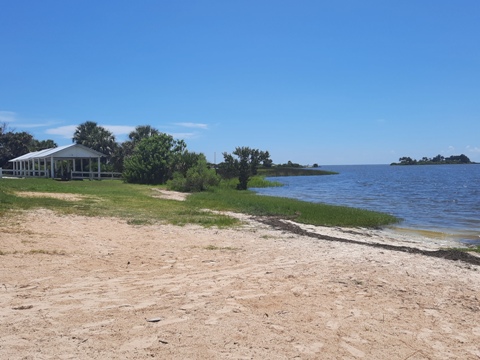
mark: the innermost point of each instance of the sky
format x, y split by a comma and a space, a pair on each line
310, 81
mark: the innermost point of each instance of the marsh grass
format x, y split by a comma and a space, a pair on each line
257, 181
300, 211
137, 206
475, 249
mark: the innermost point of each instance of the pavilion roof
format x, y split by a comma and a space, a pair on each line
72, 151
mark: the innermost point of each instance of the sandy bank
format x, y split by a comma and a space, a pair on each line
75, 287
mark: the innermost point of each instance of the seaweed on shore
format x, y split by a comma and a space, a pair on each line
448, 254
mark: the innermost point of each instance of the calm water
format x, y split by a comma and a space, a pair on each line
442, 198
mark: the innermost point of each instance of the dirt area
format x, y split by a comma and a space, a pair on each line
73, 287
60, 196
169, 194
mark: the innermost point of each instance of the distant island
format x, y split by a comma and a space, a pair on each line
437, 160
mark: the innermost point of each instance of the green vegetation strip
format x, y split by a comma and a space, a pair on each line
137, 205
304, 212
475, 249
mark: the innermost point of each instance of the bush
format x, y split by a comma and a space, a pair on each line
198, 178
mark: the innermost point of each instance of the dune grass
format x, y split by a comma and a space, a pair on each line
137, 206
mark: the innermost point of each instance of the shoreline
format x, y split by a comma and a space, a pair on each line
87, 288
453, 237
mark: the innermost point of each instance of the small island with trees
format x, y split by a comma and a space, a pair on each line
437, 160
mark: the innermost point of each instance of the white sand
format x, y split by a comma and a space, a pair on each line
246, 293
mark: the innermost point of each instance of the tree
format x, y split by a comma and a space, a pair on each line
438, 159
406, 160
141, 132
118, 156
125, 149
187, 160
244, 165
44, 144
14, 144
96, 137
153, 160
198, 177
458, 159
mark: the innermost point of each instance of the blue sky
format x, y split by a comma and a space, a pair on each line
327, 82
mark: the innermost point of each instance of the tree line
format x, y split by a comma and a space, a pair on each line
439, 159
147, 157
14, 144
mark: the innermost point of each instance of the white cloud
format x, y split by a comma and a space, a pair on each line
473, 149
119, 129
35, 125
7, 116
10, 116
192, 125
183, 135
63, 131
67, 131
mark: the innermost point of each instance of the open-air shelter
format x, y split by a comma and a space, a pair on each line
45, 163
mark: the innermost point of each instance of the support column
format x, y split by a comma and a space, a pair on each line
52, 168
98, 162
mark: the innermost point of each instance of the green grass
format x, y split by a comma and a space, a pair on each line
469, 249
137, 206
131, 202
309, 213
257, 181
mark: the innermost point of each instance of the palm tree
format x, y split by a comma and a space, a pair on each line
141, 132
95, 137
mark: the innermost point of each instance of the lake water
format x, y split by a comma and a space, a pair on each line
438, 199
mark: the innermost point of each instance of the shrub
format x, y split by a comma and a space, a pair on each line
198, 178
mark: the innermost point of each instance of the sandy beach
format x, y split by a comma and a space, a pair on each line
73, 287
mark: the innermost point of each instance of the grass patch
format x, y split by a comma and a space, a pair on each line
135, 203
257, 181
131, 202
309, 213
261, 182
139, 222
475, 249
